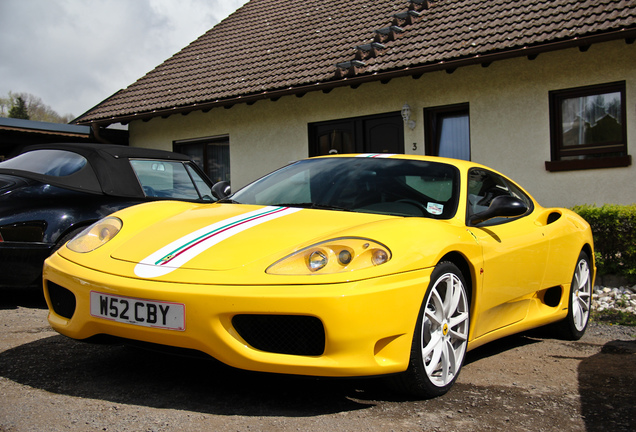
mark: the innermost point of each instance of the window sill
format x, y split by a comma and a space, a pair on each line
584, 164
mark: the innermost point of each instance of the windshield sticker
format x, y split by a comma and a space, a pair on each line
179, 252
435, 208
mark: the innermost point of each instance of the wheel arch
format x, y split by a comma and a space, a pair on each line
467, 270
71, 232
587, 248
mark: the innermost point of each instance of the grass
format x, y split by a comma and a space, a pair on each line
614, 317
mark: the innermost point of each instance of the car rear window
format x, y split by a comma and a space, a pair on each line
57, 163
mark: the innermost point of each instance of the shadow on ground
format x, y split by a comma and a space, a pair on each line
607, 385
124, 375
134, 376
129, 375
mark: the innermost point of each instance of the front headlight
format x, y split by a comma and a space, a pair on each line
333, 256
96, 235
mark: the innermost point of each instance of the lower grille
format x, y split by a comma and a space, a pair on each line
282, 334
62, 300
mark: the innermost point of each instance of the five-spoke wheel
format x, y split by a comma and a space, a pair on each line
441, 335
580, 301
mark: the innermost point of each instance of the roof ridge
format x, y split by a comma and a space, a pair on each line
382, 36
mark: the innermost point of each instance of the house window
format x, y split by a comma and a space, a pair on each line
448, 131
211, 154
383, 133
588, 128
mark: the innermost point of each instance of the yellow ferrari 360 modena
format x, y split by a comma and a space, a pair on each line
346, 265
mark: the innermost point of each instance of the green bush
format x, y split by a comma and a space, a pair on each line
614, 230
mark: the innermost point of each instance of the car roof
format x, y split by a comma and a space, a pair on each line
107, 172
93, 150
462, 165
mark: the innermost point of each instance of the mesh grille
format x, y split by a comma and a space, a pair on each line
62, 300
282, 334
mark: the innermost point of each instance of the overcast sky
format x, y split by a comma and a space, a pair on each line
75, 53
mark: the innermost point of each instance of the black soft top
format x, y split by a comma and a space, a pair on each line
107, 172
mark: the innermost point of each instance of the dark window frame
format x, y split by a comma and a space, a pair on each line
355, 126
178, 145
599, 155
432, 118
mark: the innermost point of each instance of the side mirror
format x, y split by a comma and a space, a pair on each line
221, 190
501, 206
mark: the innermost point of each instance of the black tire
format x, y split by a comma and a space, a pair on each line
440, 338
579, 301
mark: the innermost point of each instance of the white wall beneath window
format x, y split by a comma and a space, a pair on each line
509, 121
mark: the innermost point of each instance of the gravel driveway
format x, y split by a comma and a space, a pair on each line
522, 383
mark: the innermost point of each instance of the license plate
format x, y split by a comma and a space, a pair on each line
147, 313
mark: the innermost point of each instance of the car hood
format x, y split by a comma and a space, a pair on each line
227, 236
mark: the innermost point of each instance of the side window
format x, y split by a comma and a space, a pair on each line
484, 186
164, 179
202, 186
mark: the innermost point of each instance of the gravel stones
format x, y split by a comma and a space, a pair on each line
622, 299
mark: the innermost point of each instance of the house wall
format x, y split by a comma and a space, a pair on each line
509, 120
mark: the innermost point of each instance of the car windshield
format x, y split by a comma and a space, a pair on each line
57, 163
170, 179
398, 187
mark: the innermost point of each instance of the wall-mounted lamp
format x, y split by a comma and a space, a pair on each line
406, 116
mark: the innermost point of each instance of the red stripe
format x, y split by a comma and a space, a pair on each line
219, 232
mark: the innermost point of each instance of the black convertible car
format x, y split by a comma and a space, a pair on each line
51, 192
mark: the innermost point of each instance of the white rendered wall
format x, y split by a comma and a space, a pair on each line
509, 121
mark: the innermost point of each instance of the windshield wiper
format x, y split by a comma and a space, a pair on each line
314, 206
330, 207
227, 201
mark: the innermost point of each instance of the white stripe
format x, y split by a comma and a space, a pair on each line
148, 269
375, 155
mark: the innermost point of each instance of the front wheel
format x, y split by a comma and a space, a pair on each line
441, 336
580, 301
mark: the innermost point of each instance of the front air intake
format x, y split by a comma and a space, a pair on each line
282, 334
62, 300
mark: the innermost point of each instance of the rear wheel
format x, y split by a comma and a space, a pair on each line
580, 301
441, 336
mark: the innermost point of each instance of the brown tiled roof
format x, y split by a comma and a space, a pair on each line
269, 48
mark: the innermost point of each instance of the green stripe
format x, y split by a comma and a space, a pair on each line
212, 232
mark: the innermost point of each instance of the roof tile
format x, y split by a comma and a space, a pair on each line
269, 45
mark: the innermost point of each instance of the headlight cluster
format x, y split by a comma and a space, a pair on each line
333, 256
95, 235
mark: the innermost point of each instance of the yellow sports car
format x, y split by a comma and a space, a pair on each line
347, 265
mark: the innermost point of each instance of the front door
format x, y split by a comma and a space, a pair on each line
515, 254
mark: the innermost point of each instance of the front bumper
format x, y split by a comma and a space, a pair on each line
21, 263
367, 326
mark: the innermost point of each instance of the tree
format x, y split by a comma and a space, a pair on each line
19, 109
35, 108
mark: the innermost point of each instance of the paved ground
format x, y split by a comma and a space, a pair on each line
522, 383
